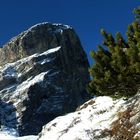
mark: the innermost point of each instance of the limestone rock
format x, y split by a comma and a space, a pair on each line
43, 74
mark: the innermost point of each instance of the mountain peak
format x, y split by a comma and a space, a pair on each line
55, 27
43, 74
37, 39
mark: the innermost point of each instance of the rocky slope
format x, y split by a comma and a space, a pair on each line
101, 118
43, 74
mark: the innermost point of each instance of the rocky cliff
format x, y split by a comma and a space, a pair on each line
43, 74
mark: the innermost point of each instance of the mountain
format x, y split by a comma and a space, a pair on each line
43, 74
43, 78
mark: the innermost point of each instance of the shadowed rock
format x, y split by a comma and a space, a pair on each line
8, 116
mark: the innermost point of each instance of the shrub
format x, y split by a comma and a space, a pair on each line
116, 71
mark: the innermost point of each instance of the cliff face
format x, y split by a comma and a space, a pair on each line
40, 38
43, 74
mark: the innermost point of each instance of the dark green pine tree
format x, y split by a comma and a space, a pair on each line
116, 71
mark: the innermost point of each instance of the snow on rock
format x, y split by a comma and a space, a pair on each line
11, 69
101, 118
51, 51
12, 134
94, 120
39, 79
4, 136
42, 76
85, 124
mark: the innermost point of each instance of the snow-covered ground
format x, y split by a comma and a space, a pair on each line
89, 122
12, 134
85, 124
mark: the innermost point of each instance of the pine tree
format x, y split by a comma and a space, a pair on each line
116, 71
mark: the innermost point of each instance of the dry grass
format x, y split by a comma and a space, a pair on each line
85, 105
122, 129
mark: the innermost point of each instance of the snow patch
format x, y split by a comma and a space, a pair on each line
51, 51
10, 70
12, 134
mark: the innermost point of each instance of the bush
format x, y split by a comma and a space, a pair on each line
116, 71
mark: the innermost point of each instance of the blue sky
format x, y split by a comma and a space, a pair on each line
86, 16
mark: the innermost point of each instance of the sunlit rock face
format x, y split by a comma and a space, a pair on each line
101, 118
43, 74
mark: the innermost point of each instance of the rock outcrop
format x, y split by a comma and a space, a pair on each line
101, 118
43, 74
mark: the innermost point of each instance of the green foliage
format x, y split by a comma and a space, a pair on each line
116, 71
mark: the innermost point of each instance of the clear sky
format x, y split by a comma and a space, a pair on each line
87, 17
